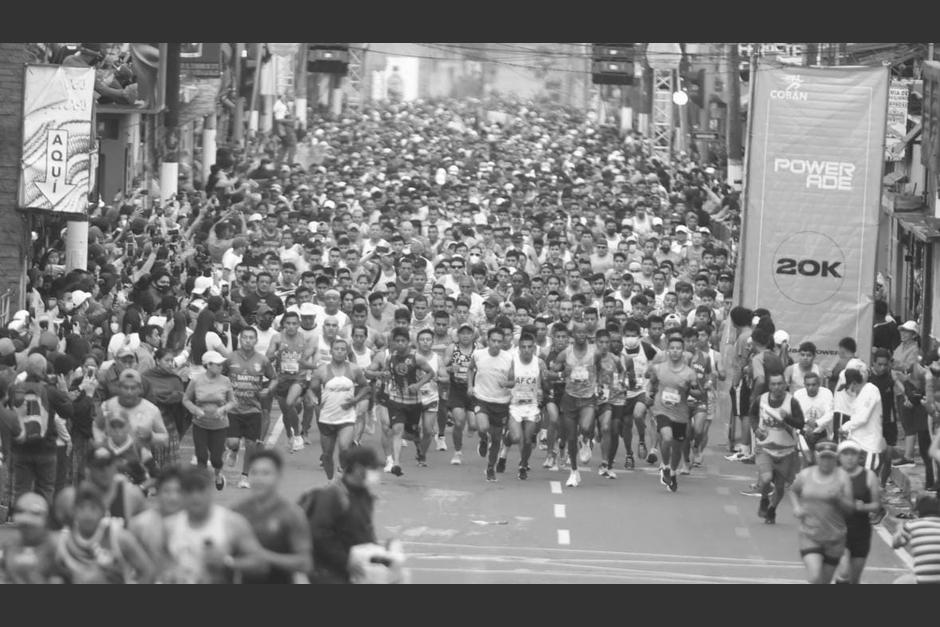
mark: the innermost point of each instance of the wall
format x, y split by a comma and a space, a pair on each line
14, 232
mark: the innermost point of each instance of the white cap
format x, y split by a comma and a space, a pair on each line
79, 297
255, 217
308, 309
848, 445
202, 284
781, 337
159, 321
22, 314
657, 221
212, 357
911, 326
683, 229
312, 226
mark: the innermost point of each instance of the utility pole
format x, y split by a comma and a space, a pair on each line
255, 88
238, 116
169, 163
734, 134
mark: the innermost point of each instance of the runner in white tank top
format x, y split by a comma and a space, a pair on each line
525, 399
341, 386
430, 396
362, 356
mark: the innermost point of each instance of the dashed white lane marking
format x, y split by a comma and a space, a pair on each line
902, 554
723, 490
564, 537
732, 510
742, 532
276, 429
556, 487
560, 511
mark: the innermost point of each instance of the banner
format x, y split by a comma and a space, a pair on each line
56, 168
896, 129
815, 161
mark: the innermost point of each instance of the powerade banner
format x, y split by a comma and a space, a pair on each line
815, 162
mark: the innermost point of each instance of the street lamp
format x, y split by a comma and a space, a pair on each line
680, 98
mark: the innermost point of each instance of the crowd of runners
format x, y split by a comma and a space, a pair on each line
431, 281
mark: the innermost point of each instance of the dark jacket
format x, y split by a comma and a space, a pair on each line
56, 402
341, 520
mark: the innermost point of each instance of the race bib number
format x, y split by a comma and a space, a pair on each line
579, 374
671, 397
290, 367
603, 393
461, 374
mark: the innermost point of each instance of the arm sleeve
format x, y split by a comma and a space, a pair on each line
796, 419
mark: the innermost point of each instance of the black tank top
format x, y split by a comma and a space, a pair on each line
885, 384
860, 492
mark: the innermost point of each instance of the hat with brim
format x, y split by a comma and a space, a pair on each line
827, 448
212, 357
848, 445
910, 326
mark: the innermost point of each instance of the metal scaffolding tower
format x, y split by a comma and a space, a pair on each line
663, 123
355, 92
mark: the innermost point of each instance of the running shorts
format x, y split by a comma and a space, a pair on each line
284, 384
831, 550
571, 406
679, 429
525, 413
858, 539
408, 415
332, 431
496, 413
630, 406
246, 426
459, 398
786, 466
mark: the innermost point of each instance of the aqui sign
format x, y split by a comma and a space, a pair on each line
56, 169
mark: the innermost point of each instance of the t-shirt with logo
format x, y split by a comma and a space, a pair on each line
248, 375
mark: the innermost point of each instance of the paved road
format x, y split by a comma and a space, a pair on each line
459, 529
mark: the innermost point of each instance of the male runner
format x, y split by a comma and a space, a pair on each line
293, 354
578, 364
430, 396
610, 401
638, 355
672, 383
247, 369
361, 355
457, 359
525, 399
490, 380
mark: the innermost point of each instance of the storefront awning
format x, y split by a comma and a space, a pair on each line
924, 228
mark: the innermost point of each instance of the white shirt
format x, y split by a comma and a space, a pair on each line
280, 110
230, 259
865, 426
816, 408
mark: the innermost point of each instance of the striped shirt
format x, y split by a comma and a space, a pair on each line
924, 547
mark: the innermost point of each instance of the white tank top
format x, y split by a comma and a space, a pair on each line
338, 389
187, 544
526, 390
429, 392
364, 360
490, 371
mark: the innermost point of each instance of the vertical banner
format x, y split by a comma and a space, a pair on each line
56, 167
896, 129
815, 161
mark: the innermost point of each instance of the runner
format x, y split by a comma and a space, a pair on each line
611, 397
578, 365
340, 386
822, 496
292, 353
405, 373
777, 418
638, 355
430, 395
866, 494
490, 379
672, 383
457, 360
247, 369
209, 397
525, 399
361, 355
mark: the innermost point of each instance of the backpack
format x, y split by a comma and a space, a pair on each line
32, 413
308, 500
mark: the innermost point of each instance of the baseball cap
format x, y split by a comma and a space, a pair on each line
79, 298
672, 320
212, 357
493, 301
22, 314
634, 266
848, 445
125, 351
159, 321
781, 337
202, 284
725, 276
130, 376
465, 325
827, 448
308, 309
704, 230
262, 309
657, 221
255, 217
911, 326
683, 229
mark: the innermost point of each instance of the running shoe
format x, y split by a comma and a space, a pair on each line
501, 465
397, 471
573, 479
523, 473
243, 483
554, 466
482, 446
549, 459
422, 462
404, 441
441, 443
664, 476
699, 458
490, 474
389, 464
904, 462
297, 444
602, 469
673, 482
684, 469
735, 457
543, 440
305, 437
641, 451
763, 507
193, 461
457, 459
629, 463
584, 450
611, 474
231, 457
771, 517
565, 463
220, 482
748, 460
653, 457
752, 491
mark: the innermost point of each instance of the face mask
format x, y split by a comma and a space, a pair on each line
115, 327
631, 343
373, 478
474, 258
